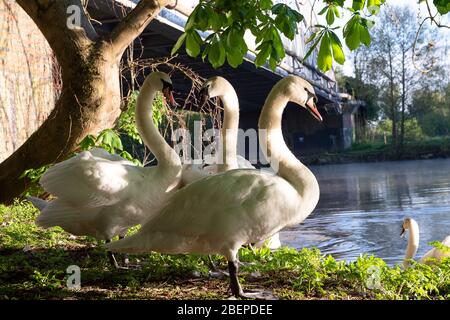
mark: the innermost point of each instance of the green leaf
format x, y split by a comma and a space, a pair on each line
202, 17
192, 46
215, 21
88, 142
364, 35
358, 4
272, 63
442, 6
325, 58
330, 17
191, 20
234, 57
178, 44
352, 35
313, 46
336, 46
276, 9
323, 11
373, 6
265, 4
263, 54
216, 54
311, 38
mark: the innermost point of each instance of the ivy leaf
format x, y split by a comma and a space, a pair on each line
178, 44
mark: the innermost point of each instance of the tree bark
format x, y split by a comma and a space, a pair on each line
392, 98
403, 107
91, 93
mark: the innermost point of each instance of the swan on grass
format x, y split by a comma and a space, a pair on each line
413, 245
220, 213
227, 157
102, 195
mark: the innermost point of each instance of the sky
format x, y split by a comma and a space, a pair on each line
444, 34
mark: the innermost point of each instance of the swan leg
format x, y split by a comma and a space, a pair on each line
236, 289
112, 258
126, 258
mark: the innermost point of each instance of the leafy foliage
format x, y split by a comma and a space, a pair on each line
227, 21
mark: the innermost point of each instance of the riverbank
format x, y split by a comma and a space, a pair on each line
374, 152
33, 264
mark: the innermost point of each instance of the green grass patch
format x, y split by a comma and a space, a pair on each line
33, 264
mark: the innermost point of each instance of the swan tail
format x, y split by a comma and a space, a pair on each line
59, 213
38, 203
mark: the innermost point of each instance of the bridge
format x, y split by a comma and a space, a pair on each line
252, 84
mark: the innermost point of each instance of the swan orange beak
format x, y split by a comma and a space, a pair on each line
311, 107
402, 234
168, 96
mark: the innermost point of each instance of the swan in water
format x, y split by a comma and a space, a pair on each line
413, 244
102, 195
220, 213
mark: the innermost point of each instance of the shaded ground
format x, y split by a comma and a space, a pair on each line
33, 265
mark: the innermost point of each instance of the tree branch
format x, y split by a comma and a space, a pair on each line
134, 23
51, 17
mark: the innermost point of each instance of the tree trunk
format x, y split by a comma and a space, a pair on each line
91, 93
402, 117
392, 99
89, 103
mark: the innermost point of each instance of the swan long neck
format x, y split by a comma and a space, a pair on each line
149, 132
281, 159
413, 243
229, 133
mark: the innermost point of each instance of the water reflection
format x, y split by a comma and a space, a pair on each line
362, 207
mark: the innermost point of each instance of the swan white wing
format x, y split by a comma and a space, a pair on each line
437, 253
102, 153
244, 163
235, 207
90, 180
273, 242
241, 161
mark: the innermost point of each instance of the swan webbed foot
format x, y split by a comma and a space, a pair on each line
258, 295
236, 288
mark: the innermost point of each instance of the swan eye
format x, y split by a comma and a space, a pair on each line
166, 85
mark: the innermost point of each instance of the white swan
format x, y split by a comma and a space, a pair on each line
413, 244
102, 195
220, 213
227, 157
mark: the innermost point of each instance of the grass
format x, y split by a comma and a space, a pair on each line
33, 264
427, 148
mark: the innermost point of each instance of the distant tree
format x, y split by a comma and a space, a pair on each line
389, 67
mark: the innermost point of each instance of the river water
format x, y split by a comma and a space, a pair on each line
362, 206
